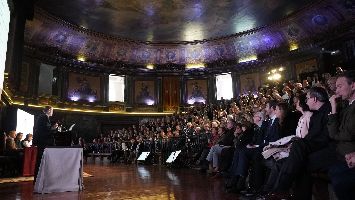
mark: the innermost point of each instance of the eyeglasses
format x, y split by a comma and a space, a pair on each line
307, 98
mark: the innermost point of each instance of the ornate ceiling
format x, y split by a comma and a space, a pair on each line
117, 31
171, 20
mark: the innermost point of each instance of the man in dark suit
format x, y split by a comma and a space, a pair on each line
43, 134
341, 128
295, 166
253, 152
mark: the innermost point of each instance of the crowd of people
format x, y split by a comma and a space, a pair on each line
262, 143
277, 136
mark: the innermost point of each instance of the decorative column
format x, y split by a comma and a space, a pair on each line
212, 89
33, 78
182, 91
128, 93
236, 84
159, 93
20, 12
105, 89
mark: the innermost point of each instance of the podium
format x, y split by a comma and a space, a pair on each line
61, 170
63, 139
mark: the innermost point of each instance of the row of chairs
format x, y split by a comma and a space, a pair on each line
191, 145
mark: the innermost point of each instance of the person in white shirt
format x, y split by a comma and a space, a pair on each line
303, 122
27, 142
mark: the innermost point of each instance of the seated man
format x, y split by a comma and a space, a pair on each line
294, 167
252, 153
341, 128
12, 150
258, 137
10, 142
18, 140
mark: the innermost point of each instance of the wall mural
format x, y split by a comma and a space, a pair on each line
196, 91
83, 87
249, 82
46, 31
144, 92
306, 67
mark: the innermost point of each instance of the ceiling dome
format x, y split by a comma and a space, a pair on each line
171, 20
116, 36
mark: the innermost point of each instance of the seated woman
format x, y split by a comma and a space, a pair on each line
226, 141
27, 142
301, 132
212, 140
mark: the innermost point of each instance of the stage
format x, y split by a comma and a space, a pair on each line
120, 181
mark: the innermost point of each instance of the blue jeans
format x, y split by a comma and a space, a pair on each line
213, 155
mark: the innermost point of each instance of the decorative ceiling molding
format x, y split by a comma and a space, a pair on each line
48, 31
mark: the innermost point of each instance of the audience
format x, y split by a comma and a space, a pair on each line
230, 137
295, 165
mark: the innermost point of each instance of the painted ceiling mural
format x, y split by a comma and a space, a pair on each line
171, 20
49, 31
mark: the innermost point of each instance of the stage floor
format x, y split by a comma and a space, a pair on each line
120, 181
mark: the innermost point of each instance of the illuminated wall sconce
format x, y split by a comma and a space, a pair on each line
150, 66
81, 58
293, 46
248, 59
195, 66
149, 102
74, 98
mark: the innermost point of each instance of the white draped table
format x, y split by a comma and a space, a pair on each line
61, 170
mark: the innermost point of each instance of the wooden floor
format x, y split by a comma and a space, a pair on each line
119, 181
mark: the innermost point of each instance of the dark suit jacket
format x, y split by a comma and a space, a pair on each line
342, 129
43, 135
258, 133
244, 138
272, 133
227, 138
318, 136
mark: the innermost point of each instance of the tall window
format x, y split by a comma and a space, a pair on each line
116, 88
4, 26
25, 122
224, 86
